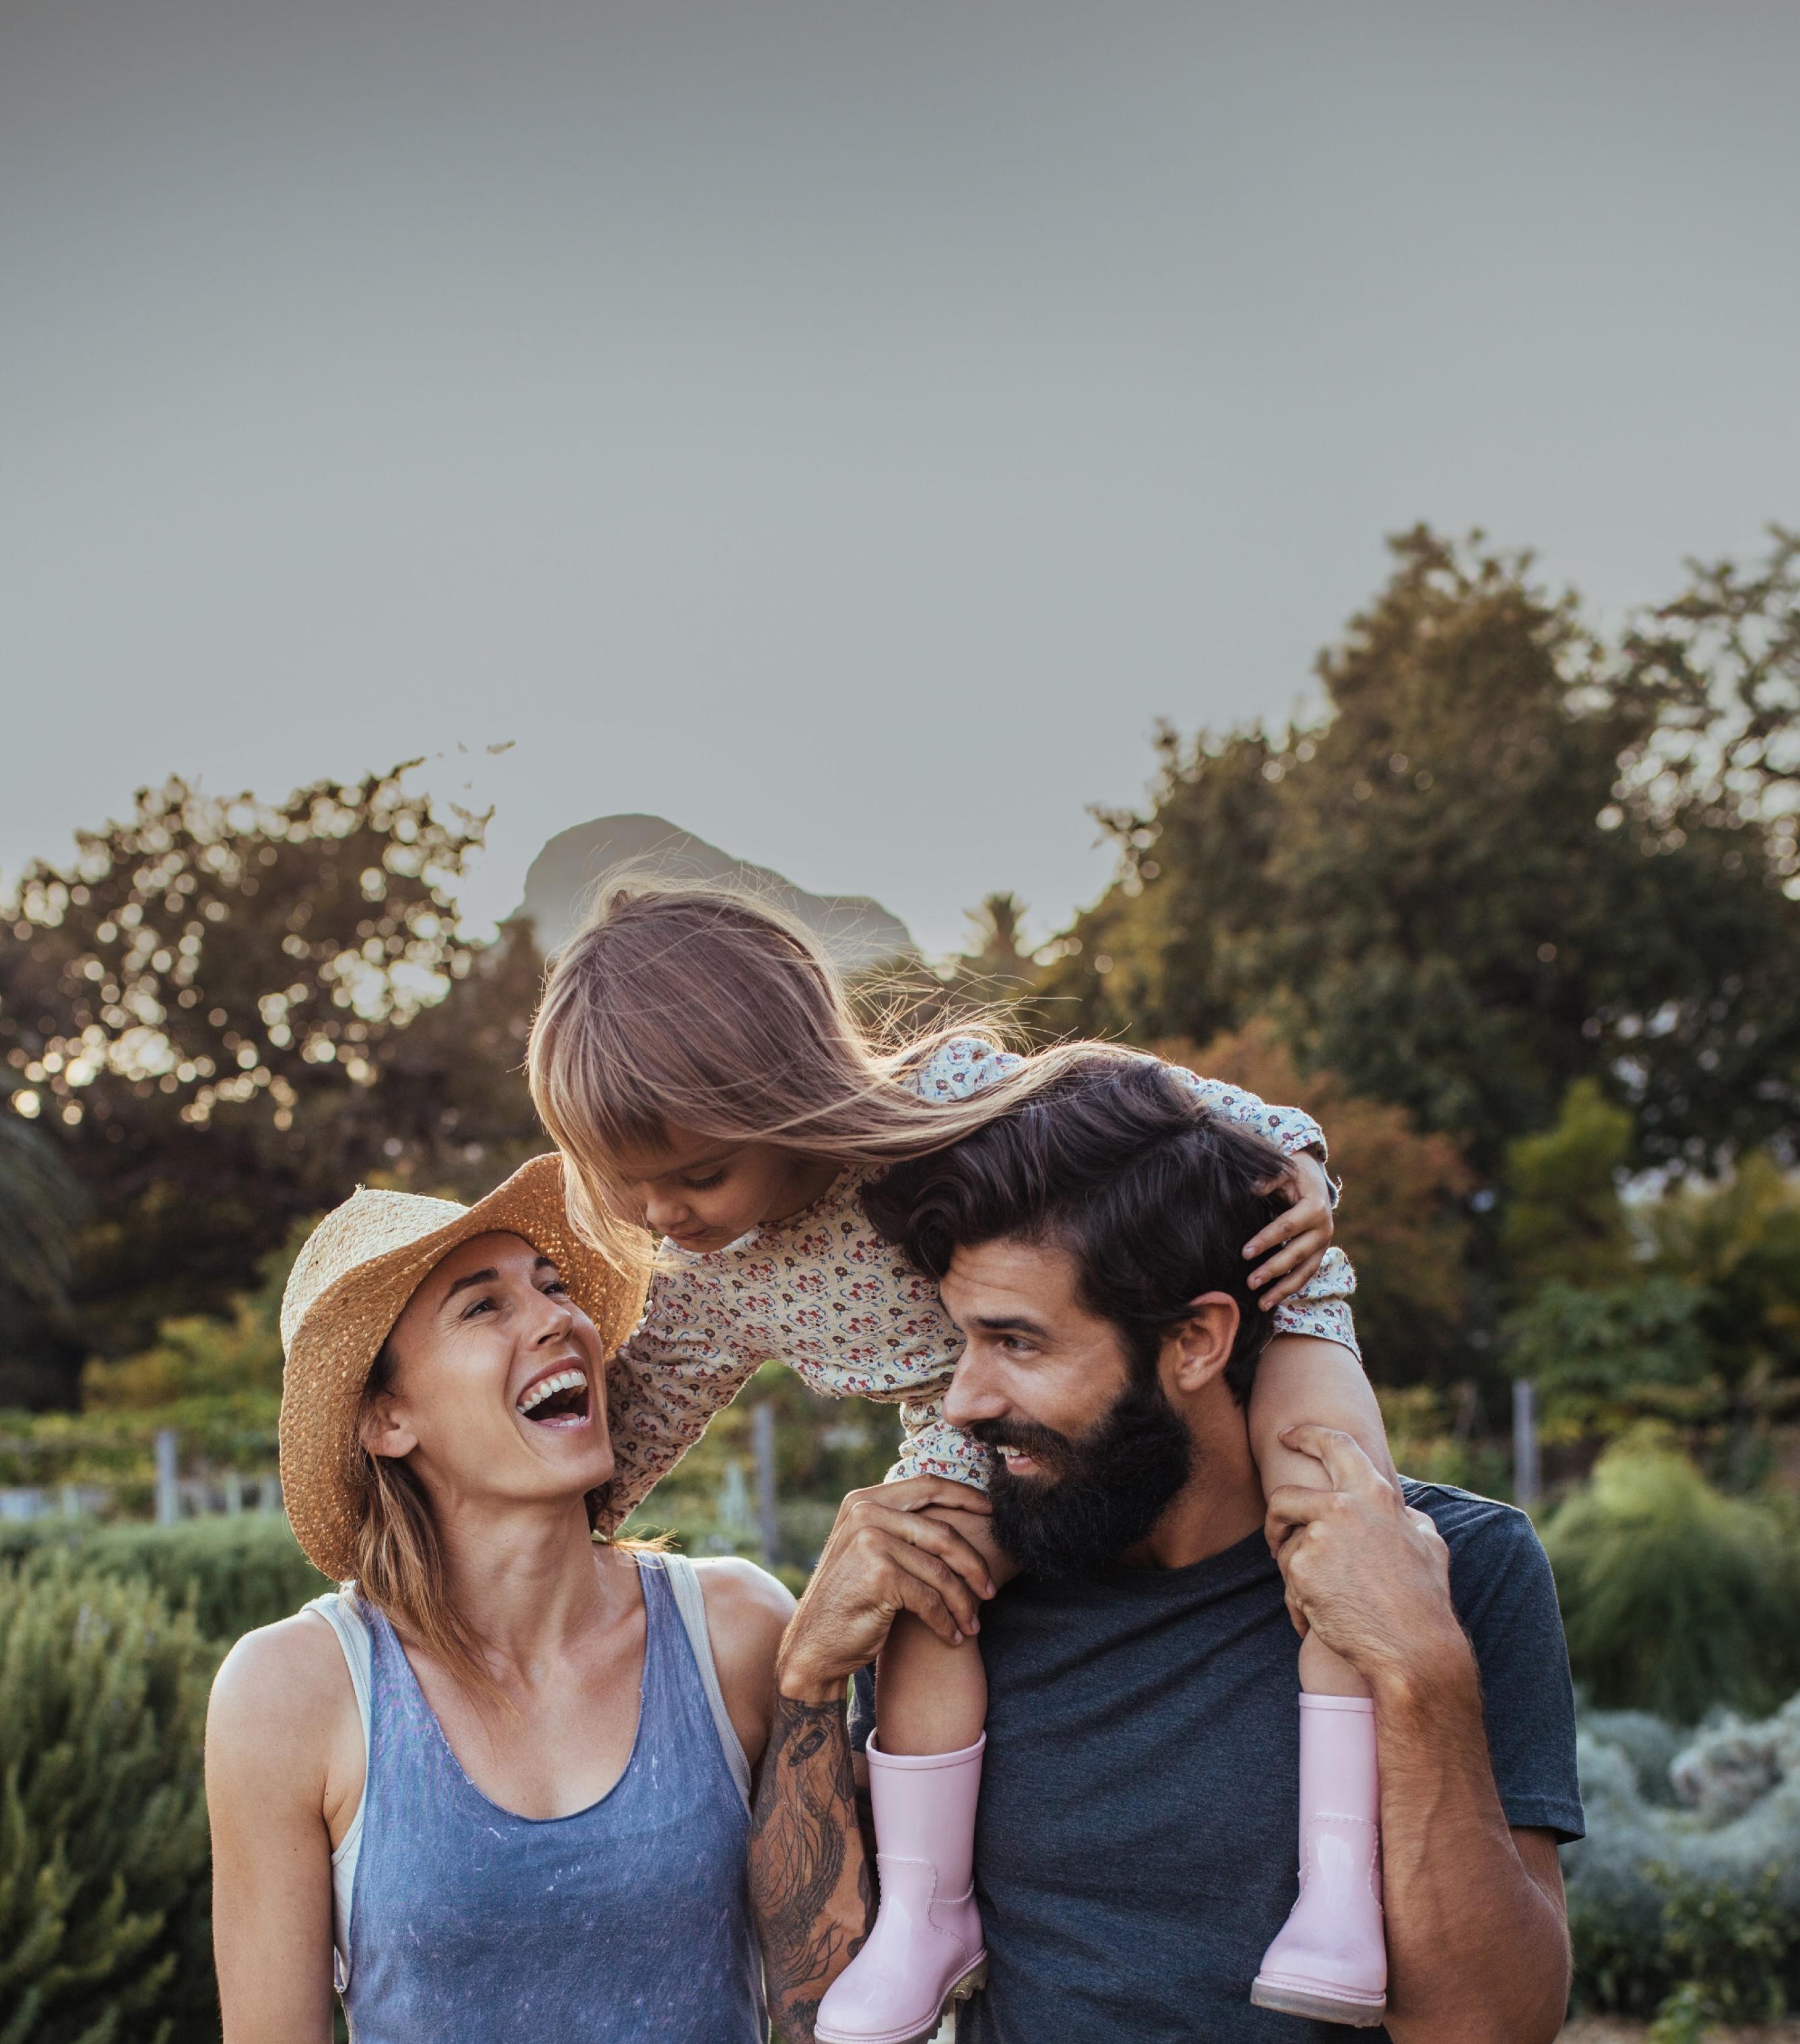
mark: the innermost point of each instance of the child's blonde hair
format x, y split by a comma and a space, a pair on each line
702, 1008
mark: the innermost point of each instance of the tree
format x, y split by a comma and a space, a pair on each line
41, 1203
1403, 1221
1455, 894
999, 952
1724, 660
207, 1011
1563, 1219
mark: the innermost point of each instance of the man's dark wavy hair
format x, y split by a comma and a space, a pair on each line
1122, 1165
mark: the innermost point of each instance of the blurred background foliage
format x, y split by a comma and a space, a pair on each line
1517, 918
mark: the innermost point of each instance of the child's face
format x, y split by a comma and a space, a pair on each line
703, 1191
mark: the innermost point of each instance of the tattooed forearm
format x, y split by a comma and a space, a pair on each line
808, 1872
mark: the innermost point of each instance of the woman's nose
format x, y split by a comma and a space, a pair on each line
556, 1316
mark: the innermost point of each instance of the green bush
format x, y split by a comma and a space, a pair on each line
241, 1572
1675, 1599
103, 1848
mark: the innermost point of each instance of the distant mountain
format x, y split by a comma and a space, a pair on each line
857, 932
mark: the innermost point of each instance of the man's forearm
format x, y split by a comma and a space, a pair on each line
1477, 1947
810, 1875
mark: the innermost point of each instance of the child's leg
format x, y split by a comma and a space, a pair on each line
1330, 1961
931, 1697
924, 1774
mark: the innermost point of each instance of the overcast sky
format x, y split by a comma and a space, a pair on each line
844, 428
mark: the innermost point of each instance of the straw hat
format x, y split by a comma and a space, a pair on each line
360, 1265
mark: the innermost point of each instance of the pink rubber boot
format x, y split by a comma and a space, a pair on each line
1330, 1961
926, 1950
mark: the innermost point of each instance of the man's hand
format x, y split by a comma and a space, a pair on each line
1370, 1575
886, 1555
1294, 1244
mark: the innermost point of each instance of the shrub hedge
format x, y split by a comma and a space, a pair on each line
1686, 1892
240, 1571
103, 1849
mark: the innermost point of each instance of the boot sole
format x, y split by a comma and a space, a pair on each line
972, 1982
1322, 2007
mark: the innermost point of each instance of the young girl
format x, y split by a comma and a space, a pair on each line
698, 1062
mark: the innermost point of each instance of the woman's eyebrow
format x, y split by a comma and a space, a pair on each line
474, 1277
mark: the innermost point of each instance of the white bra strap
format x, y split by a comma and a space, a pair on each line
690, 1601
340, 1612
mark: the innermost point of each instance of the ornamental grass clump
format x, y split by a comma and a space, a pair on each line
103, 1849
1675, 1600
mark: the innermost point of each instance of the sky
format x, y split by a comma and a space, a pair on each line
845, 430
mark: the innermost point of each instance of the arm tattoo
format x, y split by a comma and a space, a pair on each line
813, 1912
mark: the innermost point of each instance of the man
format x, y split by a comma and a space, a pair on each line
1135, 1853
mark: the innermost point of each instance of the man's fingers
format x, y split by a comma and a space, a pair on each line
933, 1590
914, 1529
1345, 1463
920, 1493
1290, 1508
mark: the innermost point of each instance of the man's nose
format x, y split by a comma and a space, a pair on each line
973, 1394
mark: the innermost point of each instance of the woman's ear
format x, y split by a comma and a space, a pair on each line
1197, 1352
382, 1430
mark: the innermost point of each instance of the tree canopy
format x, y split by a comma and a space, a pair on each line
228, 1012
1510, 857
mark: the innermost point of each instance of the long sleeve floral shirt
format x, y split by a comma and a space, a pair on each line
824, 1293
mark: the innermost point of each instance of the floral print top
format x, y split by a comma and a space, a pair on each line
824, 1293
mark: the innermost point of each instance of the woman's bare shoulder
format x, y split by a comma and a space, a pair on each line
746, 1612
280, 1698
739, 1588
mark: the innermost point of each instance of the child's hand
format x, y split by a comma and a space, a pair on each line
1299, 1238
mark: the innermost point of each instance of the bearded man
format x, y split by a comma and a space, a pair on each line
1134, 1851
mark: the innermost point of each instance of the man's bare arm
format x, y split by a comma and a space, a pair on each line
810, 1867
1477, 1942
811, 1859
1477, 1930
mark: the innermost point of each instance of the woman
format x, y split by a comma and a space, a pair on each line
497, 1786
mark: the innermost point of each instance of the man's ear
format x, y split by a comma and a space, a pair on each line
383, 1431
1196, 1353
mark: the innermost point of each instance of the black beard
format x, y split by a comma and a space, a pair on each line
1109, 1487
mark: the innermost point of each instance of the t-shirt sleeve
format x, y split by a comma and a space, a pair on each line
1506, 1596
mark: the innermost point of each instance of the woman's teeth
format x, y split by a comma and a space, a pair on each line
547, 1388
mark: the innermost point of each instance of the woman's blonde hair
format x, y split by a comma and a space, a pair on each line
703, 1007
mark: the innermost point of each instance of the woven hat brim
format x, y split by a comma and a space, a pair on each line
335, 1346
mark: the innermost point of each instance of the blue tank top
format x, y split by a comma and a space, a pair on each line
628, 1922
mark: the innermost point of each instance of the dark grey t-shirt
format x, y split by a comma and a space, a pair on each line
1136, 1848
